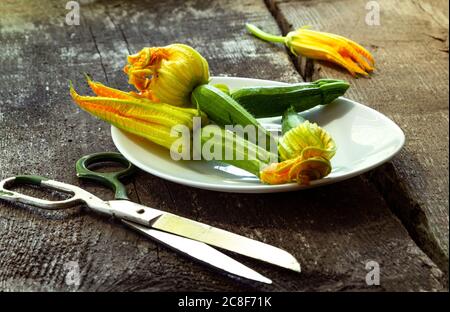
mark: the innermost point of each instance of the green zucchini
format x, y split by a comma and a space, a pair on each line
273, 101
224, 111
234, 150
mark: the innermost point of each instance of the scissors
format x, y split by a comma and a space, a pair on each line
189, 237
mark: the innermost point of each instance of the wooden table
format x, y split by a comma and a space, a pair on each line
396, 215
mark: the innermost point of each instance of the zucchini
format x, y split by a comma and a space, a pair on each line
234, 150
273, 101
224, 111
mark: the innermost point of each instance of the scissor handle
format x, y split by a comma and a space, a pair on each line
79, 196
109, 179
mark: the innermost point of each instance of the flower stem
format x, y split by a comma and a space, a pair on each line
263, 35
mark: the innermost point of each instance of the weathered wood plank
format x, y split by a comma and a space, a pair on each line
410, 85
333, 230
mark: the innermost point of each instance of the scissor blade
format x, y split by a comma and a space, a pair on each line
223, 239
201, 252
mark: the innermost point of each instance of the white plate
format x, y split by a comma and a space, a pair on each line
365, 139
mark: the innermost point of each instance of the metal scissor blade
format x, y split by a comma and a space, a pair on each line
201, 252
223, 239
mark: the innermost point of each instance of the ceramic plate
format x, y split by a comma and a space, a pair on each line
364, 137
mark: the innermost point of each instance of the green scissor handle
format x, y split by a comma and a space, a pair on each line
109, 179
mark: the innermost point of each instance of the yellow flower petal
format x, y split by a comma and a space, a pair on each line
305, 152
306, 140
330, 47
167, 74
152, 121
323, 46
297, 170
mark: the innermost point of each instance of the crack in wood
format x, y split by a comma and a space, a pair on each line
116, 26
408, 210
306, 71
99, 54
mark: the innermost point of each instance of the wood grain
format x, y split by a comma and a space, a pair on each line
333, 230
410, 85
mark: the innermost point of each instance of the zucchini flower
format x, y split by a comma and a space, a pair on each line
167, 74
297, 170
138, 116
323, 46
306, 140
305, 152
